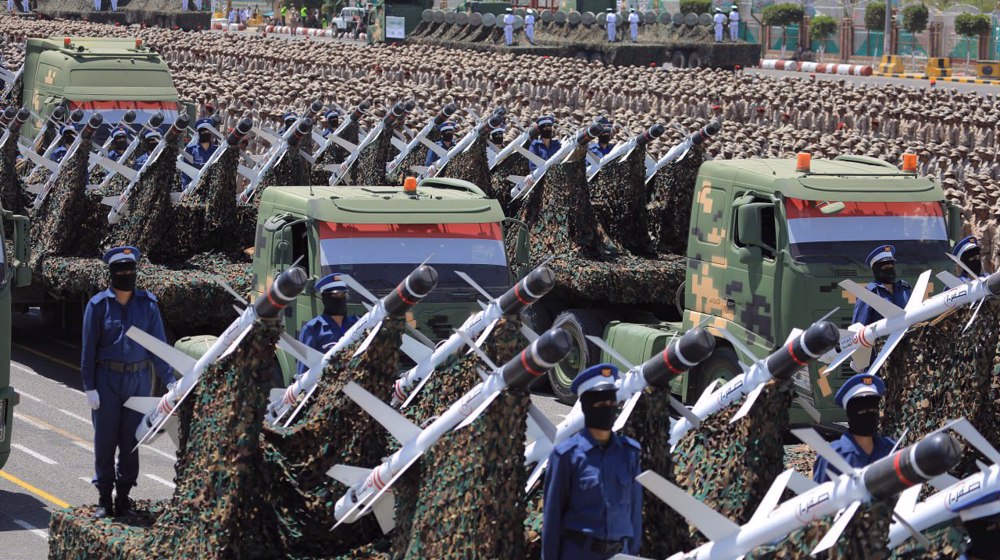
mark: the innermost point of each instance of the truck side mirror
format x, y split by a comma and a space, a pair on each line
22, 274
748, 224
955, 221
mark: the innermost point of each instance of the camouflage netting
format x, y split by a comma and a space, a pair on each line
291, 171
471, 500
150, 218
588, 264
416, 157
13, 197
369, 168
499, 187
664, 531
730, 467
334, 154
672, 190
947, 543
212, 219
471, 165
866, 537
64, 210
619, 195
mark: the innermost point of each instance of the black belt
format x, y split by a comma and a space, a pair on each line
594, 544
122, 367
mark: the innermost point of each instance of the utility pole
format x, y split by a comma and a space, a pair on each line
887, 43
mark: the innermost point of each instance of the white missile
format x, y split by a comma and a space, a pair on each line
676, 359
481, 129
524, 185
157, 411
88, 131
17, 120
118, 167
421, 138
681, 150
858, 340
408, 293
395, 115
336, 136
126, 121
232, 143
290, 140
975, 496
369, 489
844, 494
798, 350
516, 146
623, 150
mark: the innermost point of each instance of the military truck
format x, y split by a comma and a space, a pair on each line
105, 75
768, 243
13, 273
378, 235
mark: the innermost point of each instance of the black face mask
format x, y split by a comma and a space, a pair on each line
332, 124
598, 418
68, 139
121, 145
545, 133
123, 276
151, 145
333, 305
205, 138
971, 260
447, 137
496, 140
862, 415
885, 273
604, 139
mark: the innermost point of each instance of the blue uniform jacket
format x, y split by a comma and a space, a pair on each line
592, 490
600, 152
538, 148
432, 155
140, 161
58, 154
327, 132
866, 315
115, 155
322, 332
847, 448
105, 323
199, 157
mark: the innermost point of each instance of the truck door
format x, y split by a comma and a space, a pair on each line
752, 257
289, 244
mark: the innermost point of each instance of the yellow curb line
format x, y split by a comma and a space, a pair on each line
34, 490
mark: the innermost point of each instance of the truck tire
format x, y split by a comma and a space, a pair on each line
722, 364
539, 317
579, 323
694, 60
678, 60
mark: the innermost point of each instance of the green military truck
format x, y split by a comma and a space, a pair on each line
378, 235
13, 273
768, 243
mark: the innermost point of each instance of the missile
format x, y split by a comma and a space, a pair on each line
232, 143
85, 134
480, 130
858, 340
14, 128
58, 115
930, 457
119, 167
7, 116
797, 352
336, 137
523, 185
76, 117
10, 80
158, 411
421, 137
95, 159
676, 359
395, 115
289, 141
970, 498
369, 489
408, 293
681, 150
623, 150
527, 291
119, 204
516, 146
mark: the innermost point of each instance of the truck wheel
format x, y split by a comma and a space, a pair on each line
678, 60
722, 364
540, 316
694, 60
579, 323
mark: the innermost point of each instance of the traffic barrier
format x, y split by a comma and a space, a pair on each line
843, 69
770, 64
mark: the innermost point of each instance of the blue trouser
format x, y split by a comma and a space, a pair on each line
572, 550
508, 34
529, 32
114, 428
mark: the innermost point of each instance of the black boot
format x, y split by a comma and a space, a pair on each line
123, 505
104, 507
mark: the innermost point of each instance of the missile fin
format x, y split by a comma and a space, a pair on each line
177, 359
949, 279
375, 499
962, 265
308, 157
597, 341
413, 393
919, 291
709, 522
419, 336
479, 410
414, 349
479, 352
236, 343
144, 405
172, 432
686, 413
738, 344
468, 280
839, 359
543, 423
626, 411
397, 143
397, 424
974, 315
811, 438
357, 287
349, 146
831, 537
347, 475
917, 535
516, 179
809, 408
306, 355
385, 512
111, 201
885, 308
748, 403
275, 394
420, 169
536, 475
908, 500
793, 335
800, 484
175, 197
772, 497
887, 348
530, 156
979, 511
861, 358
527, 333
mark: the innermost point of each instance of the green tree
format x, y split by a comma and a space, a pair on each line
875, 16
915, 18
972, 25
695, 6
783, 15
821, 28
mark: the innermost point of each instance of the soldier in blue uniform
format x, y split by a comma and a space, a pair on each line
203, 150
603, 145
496, 136
967, 250
67, 136
861, 445
115, 368
882, 261
447, 141
287, 120
324, 330
332, 122
150, 139
546, 145
119, 143
593, 504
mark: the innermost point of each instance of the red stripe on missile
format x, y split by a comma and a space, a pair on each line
666, 361
528, 368
899, 471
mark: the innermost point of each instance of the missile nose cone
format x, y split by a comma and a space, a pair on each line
9, 113
821, 337
244, 126
182, 121
76, 116
156, 120
95, 120
936, 454
316, 106
657, 130
23, 114
713, 127
696, 345
541, 280
292, 281
129, 116
553, 345
422, 280
595, 129
449, 109
993, 283
365, 105
59, 113
305, 125
410, 105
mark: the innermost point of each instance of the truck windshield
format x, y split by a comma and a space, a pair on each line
916, 229
380, 255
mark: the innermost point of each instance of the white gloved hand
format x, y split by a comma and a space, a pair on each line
93, 400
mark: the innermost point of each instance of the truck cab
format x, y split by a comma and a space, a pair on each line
378, 235
109, 76
13, 273
770, 240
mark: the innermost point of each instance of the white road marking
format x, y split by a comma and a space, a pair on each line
34, 454
162, 481
173, 458
29, 371
84, 445
85, 479
27, 396
86, 421
21, 418
25, 369
29, 527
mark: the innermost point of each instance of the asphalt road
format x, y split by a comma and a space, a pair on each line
51, 461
